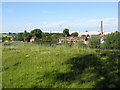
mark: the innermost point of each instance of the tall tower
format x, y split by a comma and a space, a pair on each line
101, 28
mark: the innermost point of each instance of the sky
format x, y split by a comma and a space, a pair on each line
55, 16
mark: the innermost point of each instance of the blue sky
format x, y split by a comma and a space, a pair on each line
49, 16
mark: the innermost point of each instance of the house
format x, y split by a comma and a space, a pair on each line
71, 39
33, 39
84, 36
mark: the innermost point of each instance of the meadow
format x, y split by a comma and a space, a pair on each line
29, 65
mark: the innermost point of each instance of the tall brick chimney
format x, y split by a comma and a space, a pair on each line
101, 28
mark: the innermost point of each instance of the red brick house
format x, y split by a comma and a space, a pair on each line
71, 39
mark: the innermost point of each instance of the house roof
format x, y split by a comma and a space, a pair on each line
72, 37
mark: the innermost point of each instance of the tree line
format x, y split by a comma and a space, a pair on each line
26, 36
111, 41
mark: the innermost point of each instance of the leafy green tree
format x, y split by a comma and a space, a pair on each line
94, 42
44, 35
9, 33
20, 37
75, 34
37, 33
112, 41
15, 37
66, 32
26, 36
5, 38
50, 38
88, 35
83, 35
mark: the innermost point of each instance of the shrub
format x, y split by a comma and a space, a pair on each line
112, 41
81, 44
94, 42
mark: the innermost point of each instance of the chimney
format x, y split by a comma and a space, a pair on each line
101, 28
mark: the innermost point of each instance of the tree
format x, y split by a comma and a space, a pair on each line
83, 35
9, 33
66, 32
88, 35
15, 37
75, 34
37, 33
112, 41
26, 36
94, 42
20, 37
5, 38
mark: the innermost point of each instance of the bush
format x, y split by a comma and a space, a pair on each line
94, 42
112, 41
45, 42
81, 44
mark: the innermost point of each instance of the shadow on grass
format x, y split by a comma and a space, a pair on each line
81, 65
101, 68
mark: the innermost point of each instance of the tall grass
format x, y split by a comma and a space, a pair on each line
29, 65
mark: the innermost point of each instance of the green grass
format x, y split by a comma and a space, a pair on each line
34, 66
0, 65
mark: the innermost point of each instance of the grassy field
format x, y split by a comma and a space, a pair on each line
35, 66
